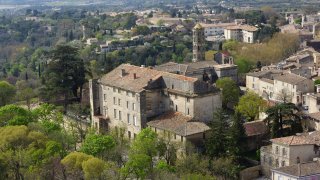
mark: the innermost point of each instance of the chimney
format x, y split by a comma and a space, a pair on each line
134, 76
123, 72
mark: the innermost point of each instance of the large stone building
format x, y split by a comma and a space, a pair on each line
133, 98
198, 43
242, 33
279, 86
287, 151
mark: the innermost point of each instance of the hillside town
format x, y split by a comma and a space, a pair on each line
160, 90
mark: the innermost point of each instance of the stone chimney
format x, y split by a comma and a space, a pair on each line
123, 72
134, 76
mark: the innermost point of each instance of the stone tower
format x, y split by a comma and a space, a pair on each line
198, 43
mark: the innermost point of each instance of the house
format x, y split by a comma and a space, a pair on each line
92, 41
215, 29
132, 98
242, 33
279, 86
301, 171
290, 150
313, 122
256, 132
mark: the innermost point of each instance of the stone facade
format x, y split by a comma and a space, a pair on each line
242, 33
129, 96
198, 43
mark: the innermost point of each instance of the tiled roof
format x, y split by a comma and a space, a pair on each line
267, 80
303, 139
143, 77
261, 74
243, 27
290, 78
255, 128
301, 169
217, 25
178, 123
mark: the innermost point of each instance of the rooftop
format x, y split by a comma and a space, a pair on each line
261, 74
290, 78
243, 27
217, 25
178, 123
302, 139
301, 169
255, 128
143, 76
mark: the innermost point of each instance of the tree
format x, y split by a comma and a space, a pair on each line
27, 94
15, 115
283, 114
217, 143
230, 91
7, 93
97, 145
226, 168
65, 73
143, 150
237, 136
250, 105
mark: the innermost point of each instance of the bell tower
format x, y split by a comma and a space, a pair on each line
198, 43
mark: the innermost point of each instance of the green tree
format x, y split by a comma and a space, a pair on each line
284, 114
217, 143
250, 105
143, 150
15, 115
65, 73
237, 136
7, 93
97, 145
230, 91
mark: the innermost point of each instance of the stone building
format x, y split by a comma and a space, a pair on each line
287, 151
242, 33
198, 43
132, 98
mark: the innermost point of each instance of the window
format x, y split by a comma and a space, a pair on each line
119, 91
114, 89
188, 112
127, 93
119, 102
127, 104
105, 97
134, 136
128, 118
277, 149
252, 86
133, 106
172, 86
115, 113
171, 103
277, 162
120, 115
135, 123
188, 99
175, 136
114, 100
284, 152
283, 163
129, 134
176, 108
181, 138
96, 125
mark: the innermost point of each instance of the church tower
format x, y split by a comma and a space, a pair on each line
198, 43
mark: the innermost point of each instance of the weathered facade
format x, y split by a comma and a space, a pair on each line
198, 43
129, 96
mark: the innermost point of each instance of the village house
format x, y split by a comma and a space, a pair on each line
301, 171
132, 98
279, 86
290, 150
242, 33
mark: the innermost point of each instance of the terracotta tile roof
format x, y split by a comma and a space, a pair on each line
143, 77
302, 139
302, 169
178, 123
243, 27
267, 80
255, 128
290, 78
